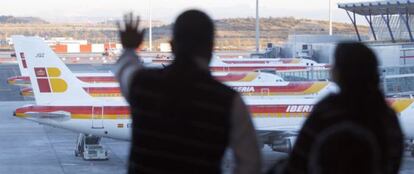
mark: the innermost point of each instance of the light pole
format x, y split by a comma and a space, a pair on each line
330, 17
150, 26
257, 27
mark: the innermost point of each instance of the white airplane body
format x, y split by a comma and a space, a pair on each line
283, 61
246, 65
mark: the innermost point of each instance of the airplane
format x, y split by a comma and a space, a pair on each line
296, 61
254, 64
262, 85
246, 65
101, 91
217, 65
108, 78
248, 84
61, 102
108, 90
23, 79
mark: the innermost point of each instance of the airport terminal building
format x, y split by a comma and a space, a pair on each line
391, 36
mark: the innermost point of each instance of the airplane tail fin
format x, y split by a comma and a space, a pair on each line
51, 79
21, 60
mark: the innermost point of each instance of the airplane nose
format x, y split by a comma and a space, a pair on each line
19, 114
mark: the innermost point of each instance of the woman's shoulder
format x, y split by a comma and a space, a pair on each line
327, 102
328, 109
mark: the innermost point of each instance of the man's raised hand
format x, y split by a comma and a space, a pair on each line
129, 32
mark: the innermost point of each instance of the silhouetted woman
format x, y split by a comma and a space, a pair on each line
359, 101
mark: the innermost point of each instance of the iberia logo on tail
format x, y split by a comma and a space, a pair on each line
49, 81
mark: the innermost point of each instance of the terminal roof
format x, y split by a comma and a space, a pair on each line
379, 7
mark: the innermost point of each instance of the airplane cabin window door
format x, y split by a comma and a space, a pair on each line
97, 117
265, 91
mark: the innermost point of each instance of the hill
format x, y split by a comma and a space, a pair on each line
240, 32
21, 20
233, 33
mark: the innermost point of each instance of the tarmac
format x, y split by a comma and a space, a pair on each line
28, 147
9, 92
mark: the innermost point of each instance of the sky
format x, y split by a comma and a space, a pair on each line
167, 10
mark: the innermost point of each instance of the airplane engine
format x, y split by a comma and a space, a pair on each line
284, 145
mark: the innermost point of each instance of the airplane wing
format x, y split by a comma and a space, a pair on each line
57, 115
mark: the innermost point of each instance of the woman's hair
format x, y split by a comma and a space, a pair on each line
355, 67
356, 72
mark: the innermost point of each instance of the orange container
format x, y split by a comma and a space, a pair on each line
60, 48
86, 48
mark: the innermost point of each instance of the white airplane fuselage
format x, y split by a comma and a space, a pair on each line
286, 115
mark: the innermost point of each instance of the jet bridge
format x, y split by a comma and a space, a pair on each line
395, 80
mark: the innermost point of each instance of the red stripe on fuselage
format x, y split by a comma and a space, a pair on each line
88, 79
110, 110
124, 110
231, 77
102, 90
97, 79
291, 87
255, 68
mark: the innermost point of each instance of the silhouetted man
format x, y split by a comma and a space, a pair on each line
359, 102
183, 119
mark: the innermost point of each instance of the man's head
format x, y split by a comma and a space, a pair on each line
355, 67
193, 36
